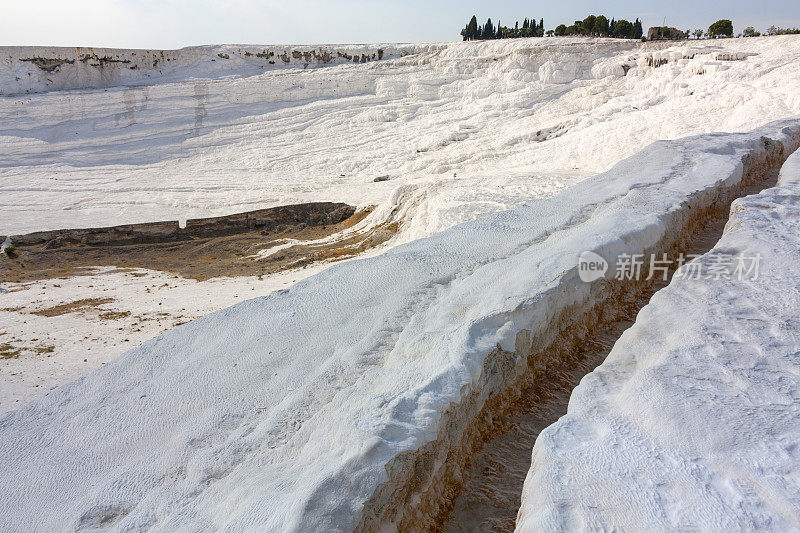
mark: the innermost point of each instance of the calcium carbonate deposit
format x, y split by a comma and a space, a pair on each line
351, 396
288, 412
459, 129
691, 422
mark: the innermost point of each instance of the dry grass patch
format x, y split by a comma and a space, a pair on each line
72, 307
8, 351
114, 315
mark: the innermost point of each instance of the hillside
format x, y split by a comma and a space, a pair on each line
459, 130
341, 395
335, 402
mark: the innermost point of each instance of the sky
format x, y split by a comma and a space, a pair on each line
170, 24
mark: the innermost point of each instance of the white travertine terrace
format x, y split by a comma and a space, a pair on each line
295, 410
692, 421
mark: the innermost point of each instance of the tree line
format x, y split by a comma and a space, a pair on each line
772, 30
598, 26
724, 28
474, 31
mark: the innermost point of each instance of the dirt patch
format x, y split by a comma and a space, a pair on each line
9, 351
114, 315
346, 248
72, 307
48, 65
229, 246
274, 219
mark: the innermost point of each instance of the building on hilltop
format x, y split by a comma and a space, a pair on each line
663, 33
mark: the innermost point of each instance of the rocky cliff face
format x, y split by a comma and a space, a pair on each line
34, 69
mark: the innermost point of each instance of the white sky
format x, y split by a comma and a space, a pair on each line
176, 23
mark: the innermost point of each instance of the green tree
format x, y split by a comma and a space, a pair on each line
588, 24
721, 28
471, 31
637, 30
488, 30
750, 32
592, 25
600, 25
772, 30
623, 29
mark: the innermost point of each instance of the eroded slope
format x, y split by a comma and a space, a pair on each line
296, 410
691, 422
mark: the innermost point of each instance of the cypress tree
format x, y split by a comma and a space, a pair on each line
591, 25
637, 29
488, 30
472, 28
